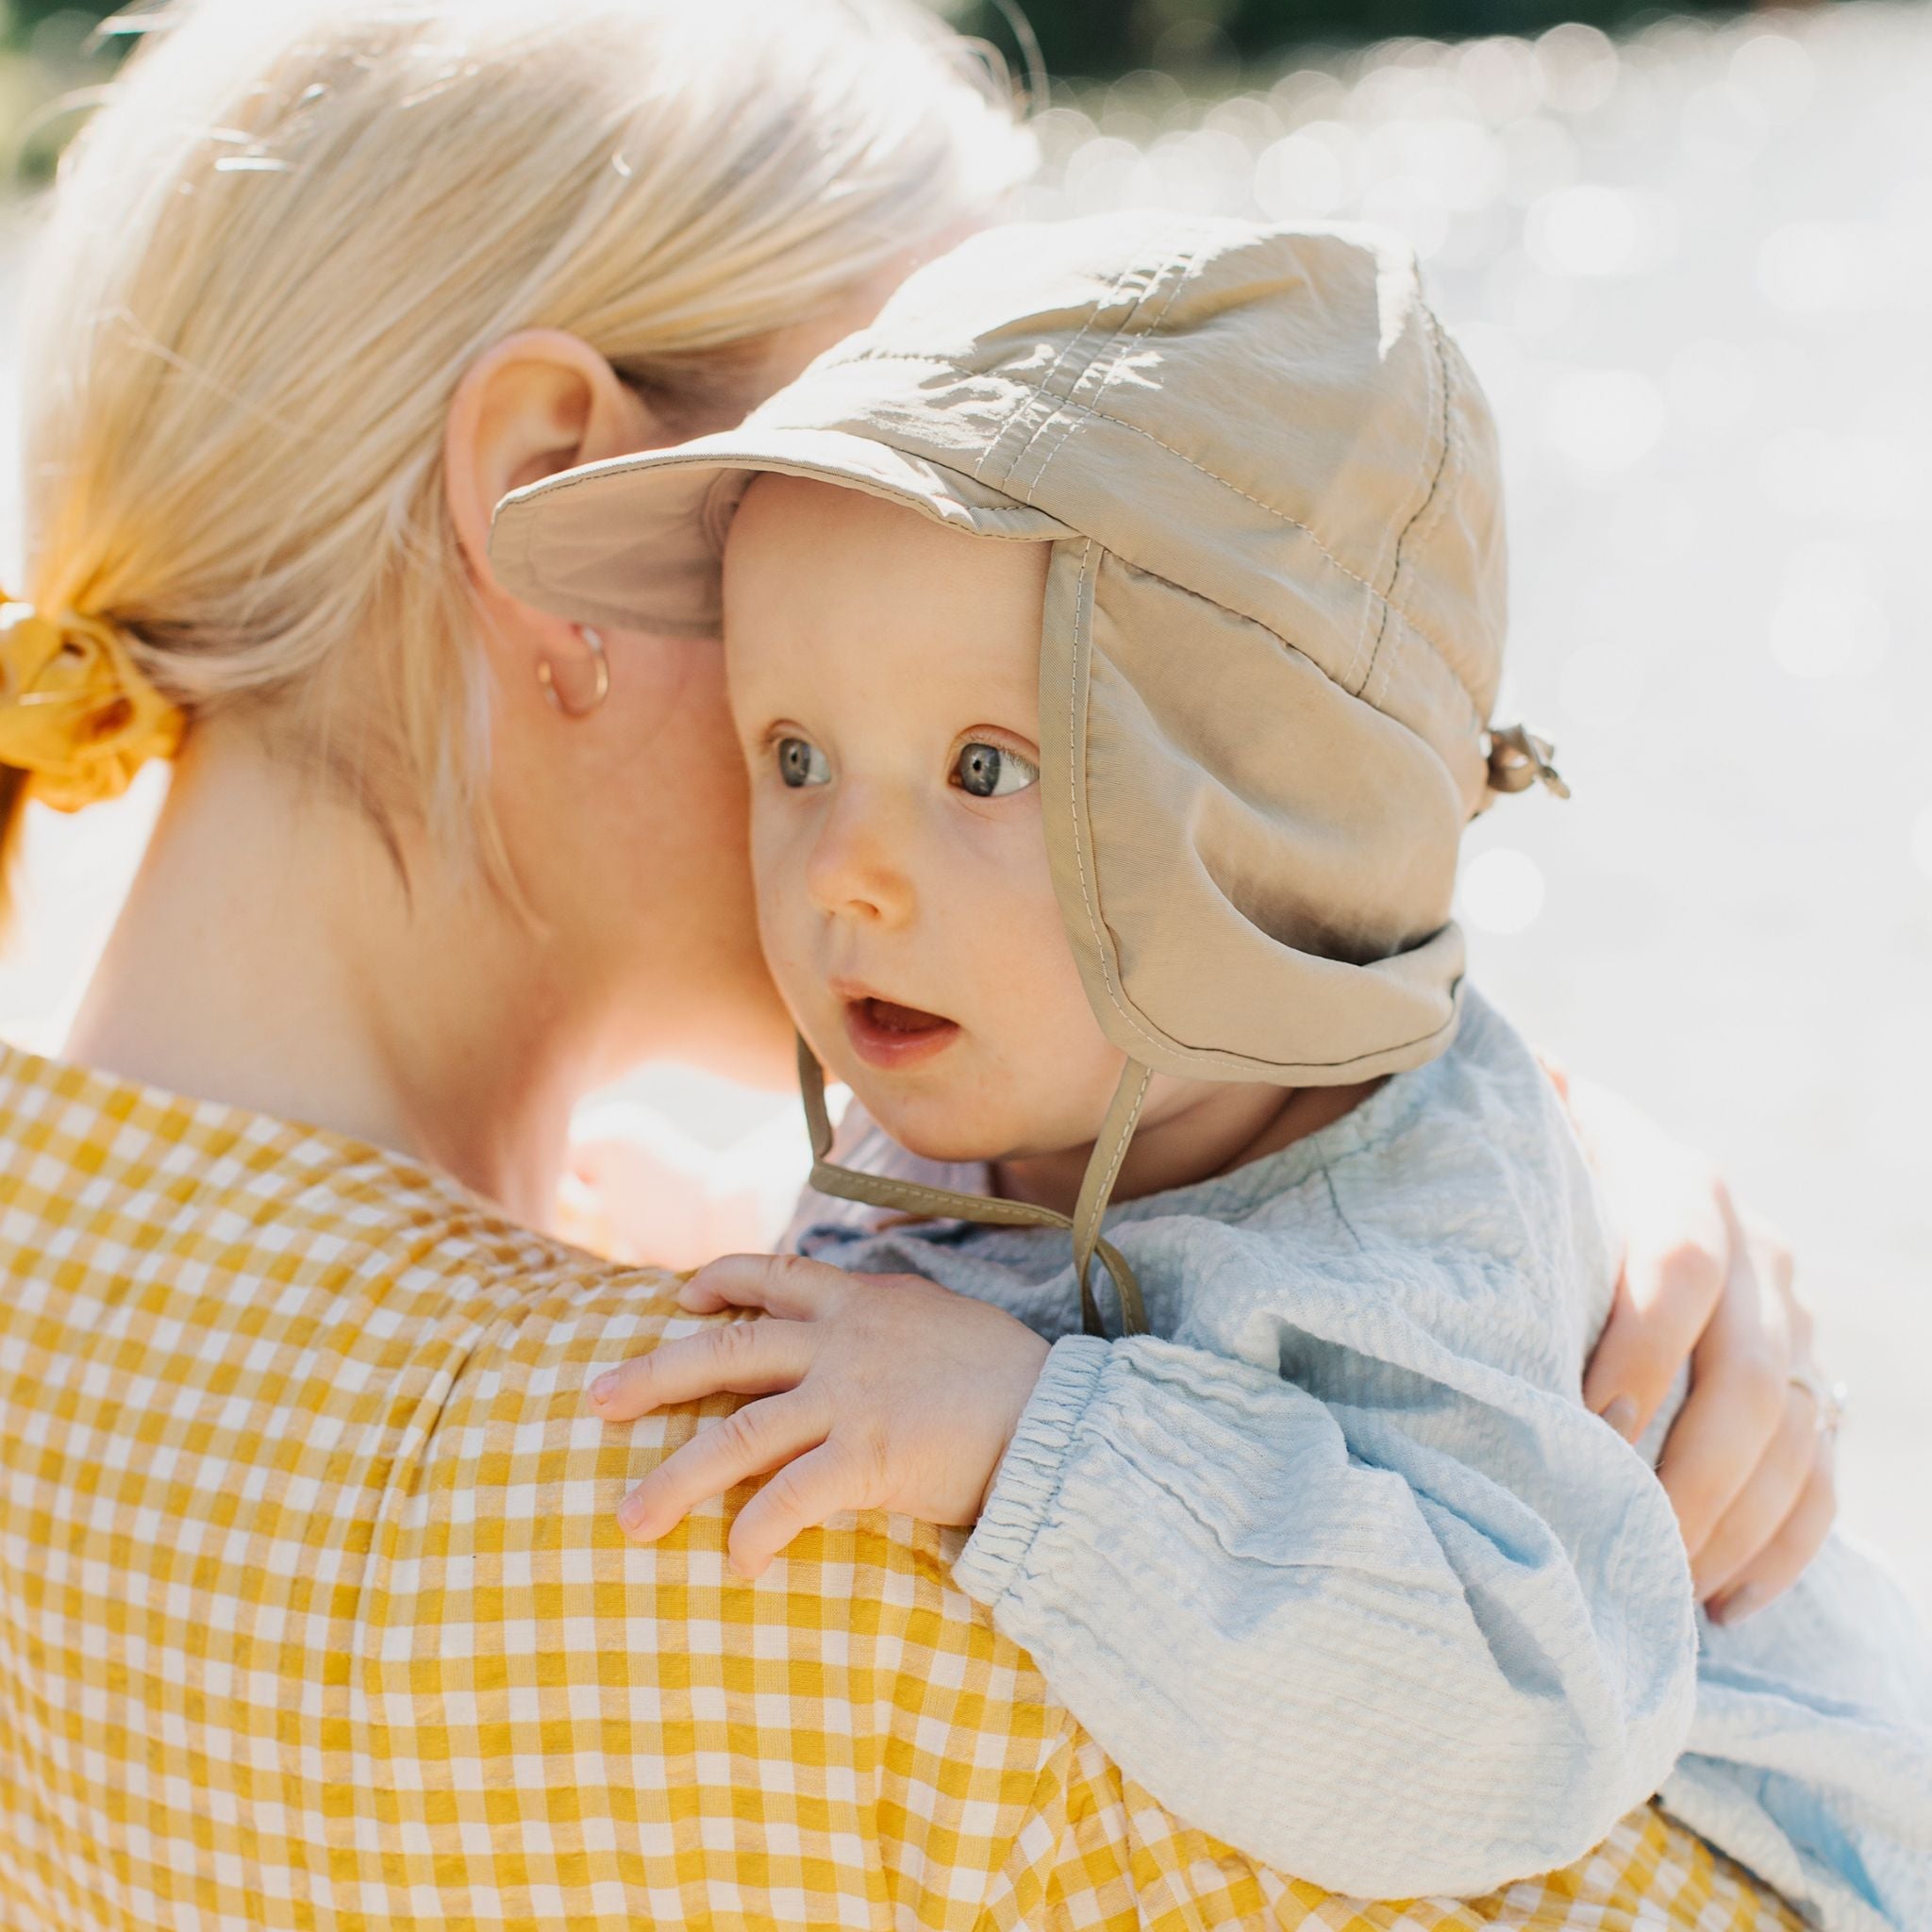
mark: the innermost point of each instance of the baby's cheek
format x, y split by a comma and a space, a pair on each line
785, 920
1064, 1068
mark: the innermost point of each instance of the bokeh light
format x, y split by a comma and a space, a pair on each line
1502, 890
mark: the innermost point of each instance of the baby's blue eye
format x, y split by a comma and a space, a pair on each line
989, 770
801, 762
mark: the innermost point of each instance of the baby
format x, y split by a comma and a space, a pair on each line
1112, 632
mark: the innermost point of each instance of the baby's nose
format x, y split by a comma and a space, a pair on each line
857, 870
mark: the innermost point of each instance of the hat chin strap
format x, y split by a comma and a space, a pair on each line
909, 1197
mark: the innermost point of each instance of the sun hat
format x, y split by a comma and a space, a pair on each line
1273, 624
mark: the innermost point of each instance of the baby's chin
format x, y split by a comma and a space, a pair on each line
932, 1131
927, 1126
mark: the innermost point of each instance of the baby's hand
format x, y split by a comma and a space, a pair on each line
881, 1392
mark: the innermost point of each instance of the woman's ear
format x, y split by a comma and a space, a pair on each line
537, 402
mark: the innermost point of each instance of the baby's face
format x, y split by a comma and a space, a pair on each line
884, 677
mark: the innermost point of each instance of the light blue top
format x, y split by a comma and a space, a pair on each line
1336, 1563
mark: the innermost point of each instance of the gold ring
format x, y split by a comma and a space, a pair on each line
1830, 1399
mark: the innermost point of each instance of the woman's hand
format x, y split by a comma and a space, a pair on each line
879, 1392
1748, 1461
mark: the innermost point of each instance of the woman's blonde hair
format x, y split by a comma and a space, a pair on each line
272, 255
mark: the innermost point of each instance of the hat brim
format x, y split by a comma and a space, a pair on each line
636, 542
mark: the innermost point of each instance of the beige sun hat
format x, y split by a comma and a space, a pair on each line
1274, 612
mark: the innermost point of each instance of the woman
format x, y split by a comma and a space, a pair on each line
312, 1605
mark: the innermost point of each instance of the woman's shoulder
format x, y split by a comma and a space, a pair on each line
135, 1176
179, 1274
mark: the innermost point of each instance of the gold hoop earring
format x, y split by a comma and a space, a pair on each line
600, 690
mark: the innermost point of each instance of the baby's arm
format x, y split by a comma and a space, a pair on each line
1437, 1649
1430, 1641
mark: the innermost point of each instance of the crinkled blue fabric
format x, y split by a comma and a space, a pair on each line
1335, 1561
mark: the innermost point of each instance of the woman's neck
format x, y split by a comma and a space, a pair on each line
271, 957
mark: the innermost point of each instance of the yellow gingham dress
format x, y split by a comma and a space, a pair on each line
312, 1611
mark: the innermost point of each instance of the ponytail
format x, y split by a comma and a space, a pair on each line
271, 258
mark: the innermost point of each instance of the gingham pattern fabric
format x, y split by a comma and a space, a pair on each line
312, 1611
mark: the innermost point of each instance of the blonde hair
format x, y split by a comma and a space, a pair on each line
272, 255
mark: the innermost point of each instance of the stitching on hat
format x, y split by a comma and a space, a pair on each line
1478, 726
1280, 515
1385, 602
1162, 260
1087, 894
1391, 545
1187, 265
1455, 466
1072, 402
1087, 900
1170, 259
1438, 384
1087, 897
1452, 466
1314, 537
1120, 1152
1043, 389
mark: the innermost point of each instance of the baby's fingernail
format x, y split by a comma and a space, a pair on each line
1739, 1605
632, 1515
604, 1386
1622, 1416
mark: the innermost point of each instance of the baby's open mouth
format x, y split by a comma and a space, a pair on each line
885, 1034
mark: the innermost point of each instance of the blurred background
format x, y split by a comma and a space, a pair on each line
1690, 257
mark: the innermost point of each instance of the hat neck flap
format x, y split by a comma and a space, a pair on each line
1096, 1188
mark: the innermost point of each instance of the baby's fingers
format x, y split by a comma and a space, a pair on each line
734, 1358
745, 1443
787, 1285
801, 1495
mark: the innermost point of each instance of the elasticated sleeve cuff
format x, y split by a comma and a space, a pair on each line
1029, 1476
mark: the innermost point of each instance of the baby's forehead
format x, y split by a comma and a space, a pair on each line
816, 563
784, 513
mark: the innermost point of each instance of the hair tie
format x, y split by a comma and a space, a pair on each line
76, 713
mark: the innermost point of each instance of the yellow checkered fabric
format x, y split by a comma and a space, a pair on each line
312, 1611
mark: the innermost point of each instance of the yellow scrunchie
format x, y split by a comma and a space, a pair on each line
76, 712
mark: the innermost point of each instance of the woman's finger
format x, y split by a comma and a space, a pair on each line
1671, 1284
1736, 1401
1764, 1503
1784, 1558
1783, 1317
801, 1495
745, 1443
730, 1359
787, 1285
